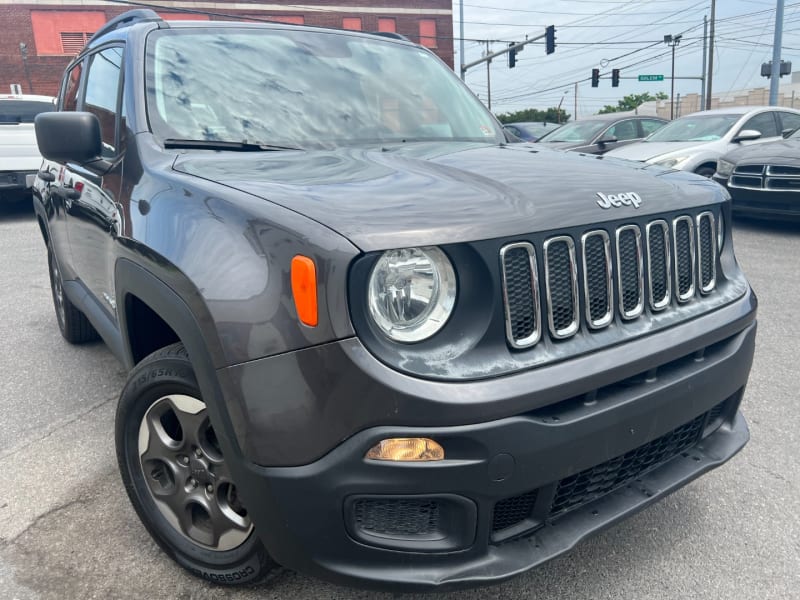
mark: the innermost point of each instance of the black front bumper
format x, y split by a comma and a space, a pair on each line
513, 492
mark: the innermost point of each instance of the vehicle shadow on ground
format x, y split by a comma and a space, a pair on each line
775, 225
85, 549
16, 211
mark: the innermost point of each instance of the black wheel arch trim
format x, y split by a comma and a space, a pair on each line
201, 345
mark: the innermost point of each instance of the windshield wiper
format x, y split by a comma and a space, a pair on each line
221, 145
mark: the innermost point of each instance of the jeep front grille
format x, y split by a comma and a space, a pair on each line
607, 274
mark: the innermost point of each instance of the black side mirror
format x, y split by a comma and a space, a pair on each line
609, 139
69, 137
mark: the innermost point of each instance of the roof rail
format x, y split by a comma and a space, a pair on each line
126, 19
390, 34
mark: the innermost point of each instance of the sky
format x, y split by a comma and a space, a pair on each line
623, 34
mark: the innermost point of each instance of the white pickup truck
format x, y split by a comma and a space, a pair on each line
19, 154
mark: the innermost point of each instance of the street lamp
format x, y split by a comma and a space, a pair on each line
672, 40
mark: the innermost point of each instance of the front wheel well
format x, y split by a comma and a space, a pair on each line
147, 331
706, 165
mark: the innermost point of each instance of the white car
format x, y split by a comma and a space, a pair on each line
695, 142
19, 154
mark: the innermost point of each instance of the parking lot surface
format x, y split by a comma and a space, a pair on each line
67, 529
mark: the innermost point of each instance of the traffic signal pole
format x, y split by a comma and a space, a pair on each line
775, 78
489, 57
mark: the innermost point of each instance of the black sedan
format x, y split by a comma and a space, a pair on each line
764, 179
601, 133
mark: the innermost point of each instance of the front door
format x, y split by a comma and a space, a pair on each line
93, 219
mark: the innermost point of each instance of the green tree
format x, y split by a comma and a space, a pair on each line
632, 102
535, 115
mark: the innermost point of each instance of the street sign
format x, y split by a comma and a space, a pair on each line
651, 78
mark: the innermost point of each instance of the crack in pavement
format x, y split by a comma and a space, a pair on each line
54, 428
4, 543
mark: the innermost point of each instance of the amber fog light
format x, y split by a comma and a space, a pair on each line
406, 450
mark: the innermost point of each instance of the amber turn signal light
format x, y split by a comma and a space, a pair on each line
304, 289
406, 450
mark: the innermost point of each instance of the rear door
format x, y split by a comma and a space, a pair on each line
48, 186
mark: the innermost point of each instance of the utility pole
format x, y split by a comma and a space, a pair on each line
488, 77
461, 58
575, 114
672, 40
711, 54
23, 50
775, 79
705, 59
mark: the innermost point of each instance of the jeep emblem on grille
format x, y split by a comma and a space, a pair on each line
625, 199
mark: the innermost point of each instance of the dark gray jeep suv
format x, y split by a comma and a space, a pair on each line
368, 339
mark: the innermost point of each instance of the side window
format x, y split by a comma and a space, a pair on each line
650, 125
72, 82
102, 94
625, 130
764, 122
789, 121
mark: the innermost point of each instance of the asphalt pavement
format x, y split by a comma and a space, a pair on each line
68, 531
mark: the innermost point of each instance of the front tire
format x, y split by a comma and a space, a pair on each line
176, 477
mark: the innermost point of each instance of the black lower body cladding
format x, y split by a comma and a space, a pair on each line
514, 491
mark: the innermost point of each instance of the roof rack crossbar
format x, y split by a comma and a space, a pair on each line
127, 19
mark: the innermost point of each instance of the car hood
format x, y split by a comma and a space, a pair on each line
646, 151
562, 145
783, 151
424, 194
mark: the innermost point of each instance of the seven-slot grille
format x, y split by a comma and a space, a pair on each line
649, 266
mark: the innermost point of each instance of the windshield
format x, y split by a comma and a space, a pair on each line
579, 132
300, 88
695, 129
22, 111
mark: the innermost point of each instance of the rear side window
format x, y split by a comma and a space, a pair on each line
102, 94
22, 111
789, 121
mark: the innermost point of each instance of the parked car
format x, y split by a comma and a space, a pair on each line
695, 142
367, 339
19, 155
764, 179
530, 132
601, 133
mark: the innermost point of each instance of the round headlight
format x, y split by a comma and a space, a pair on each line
412, 293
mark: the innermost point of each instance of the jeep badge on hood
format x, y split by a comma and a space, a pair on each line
626, 199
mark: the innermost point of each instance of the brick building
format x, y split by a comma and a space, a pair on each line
41, 36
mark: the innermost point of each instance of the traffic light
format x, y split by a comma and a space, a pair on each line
512, 55
595, 77
614, 77
550, 39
